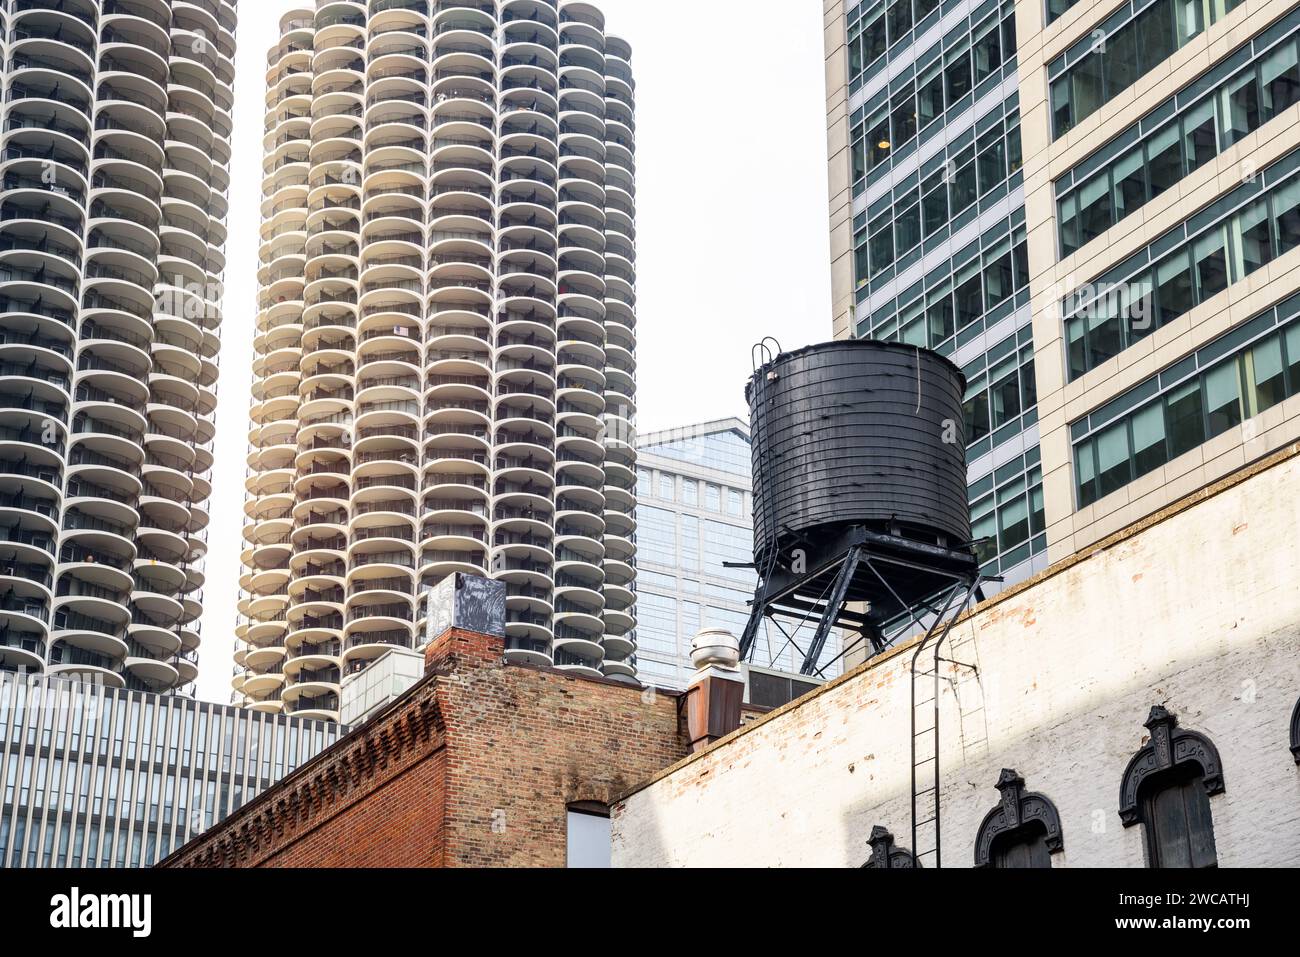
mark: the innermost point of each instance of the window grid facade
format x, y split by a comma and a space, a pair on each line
95, 776
1224, 243
944, 80
1186, 406
683, 540
940, 246
885, 28
1132, 42
914, 220
1222, 107
1007, 514
1185, 224
1002, 398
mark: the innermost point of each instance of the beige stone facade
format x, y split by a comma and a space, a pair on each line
1061, 403
837, 148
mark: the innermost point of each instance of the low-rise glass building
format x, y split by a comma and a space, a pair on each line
96, 776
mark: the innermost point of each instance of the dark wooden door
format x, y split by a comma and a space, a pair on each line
1179, 828
1023, 847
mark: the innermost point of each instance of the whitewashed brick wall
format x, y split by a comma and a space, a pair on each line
1199, 612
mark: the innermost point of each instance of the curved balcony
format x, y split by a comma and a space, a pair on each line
619, 669
619, 646
322, 708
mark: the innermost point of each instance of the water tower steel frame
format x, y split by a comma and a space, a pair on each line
865, 577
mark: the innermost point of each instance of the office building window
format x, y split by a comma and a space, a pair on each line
657, 623
1105, 317
722, 543
1000, 394
1007, 513
1187, 405
1211, 115
713, 498
657, 535
1055, 8
1110, 60
689, 553
690, 492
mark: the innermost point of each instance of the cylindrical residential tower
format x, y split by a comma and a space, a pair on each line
444, 375
116, 150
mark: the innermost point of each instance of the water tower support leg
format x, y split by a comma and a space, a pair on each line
833, 607
751, 630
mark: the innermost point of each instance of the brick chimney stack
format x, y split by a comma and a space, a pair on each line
717, 689
457, 650
466, 616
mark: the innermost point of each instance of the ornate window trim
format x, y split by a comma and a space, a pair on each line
1017, 809
1168, 747
1295, 732
885, 855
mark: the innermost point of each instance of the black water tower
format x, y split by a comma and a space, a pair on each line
860, 433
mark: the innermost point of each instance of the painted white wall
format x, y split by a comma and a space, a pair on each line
1200, 612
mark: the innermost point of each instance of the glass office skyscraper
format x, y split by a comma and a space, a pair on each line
930, 227
1094, 209
693, 514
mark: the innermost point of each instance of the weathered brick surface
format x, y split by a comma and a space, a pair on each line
1200, 612
474, 766
525, 742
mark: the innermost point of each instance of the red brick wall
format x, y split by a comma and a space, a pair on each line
398, 824
475, 766
526, 742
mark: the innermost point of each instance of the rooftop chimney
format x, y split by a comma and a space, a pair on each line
717, 689
466, 620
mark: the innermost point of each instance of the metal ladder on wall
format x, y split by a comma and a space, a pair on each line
926, 676
968, 690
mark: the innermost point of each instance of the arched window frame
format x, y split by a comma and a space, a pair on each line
1168, 747
1295, 732
1017, 809
885, 855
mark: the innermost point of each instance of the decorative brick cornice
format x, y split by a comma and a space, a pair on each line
407, 731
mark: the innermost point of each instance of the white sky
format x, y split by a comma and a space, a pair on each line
733, 240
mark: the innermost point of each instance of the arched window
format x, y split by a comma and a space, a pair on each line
1024, 830
1167, 788
884, 854
1295, 733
